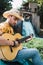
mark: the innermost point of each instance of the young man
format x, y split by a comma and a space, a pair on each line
13, 16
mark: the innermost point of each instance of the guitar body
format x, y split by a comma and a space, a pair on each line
5, 50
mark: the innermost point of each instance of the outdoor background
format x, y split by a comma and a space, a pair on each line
37, 10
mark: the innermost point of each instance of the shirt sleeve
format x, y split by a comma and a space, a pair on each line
5, 28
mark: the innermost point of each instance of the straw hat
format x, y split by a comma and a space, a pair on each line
13, 12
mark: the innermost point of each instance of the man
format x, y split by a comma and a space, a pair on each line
13, 16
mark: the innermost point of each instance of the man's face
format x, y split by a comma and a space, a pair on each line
13, 20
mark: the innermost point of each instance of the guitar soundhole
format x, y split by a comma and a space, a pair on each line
7, 39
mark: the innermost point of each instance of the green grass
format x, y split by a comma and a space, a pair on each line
35, 43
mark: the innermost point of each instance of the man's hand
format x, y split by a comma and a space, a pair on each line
16, 43
29, 38
10, 42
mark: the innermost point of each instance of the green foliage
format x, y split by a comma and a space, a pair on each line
41, 9
4, 5
35, 43
40, 2
35, 1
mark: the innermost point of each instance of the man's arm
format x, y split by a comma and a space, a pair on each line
4, 28
5, 42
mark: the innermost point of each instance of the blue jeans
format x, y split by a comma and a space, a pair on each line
31, 53
26, 54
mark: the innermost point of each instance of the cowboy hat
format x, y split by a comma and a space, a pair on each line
13, 12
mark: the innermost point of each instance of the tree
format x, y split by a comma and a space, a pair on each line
4, 5
35, 1
39, 9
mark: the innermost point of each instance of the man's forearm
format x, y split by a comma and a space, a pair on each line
5, 41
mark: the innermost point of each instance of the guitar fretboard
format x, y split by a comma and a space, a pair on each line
23, 39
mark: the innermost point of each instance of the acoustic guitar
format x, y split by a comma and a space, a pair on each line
9, 53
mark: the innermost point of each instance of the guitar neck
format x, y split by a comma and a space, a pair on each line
23, 39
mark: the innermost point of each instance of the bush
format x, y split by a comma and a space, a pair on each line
35, 43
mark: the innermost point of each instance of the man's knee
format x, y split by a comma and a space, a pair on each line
35, 51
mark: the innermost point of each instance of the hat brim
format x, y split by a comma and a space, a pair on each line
7, 13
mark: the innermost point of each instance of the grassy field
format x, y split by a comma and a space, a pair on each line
35, 43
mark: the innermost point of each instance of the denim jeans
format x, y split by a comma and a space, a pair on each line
26, 54
31, 53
